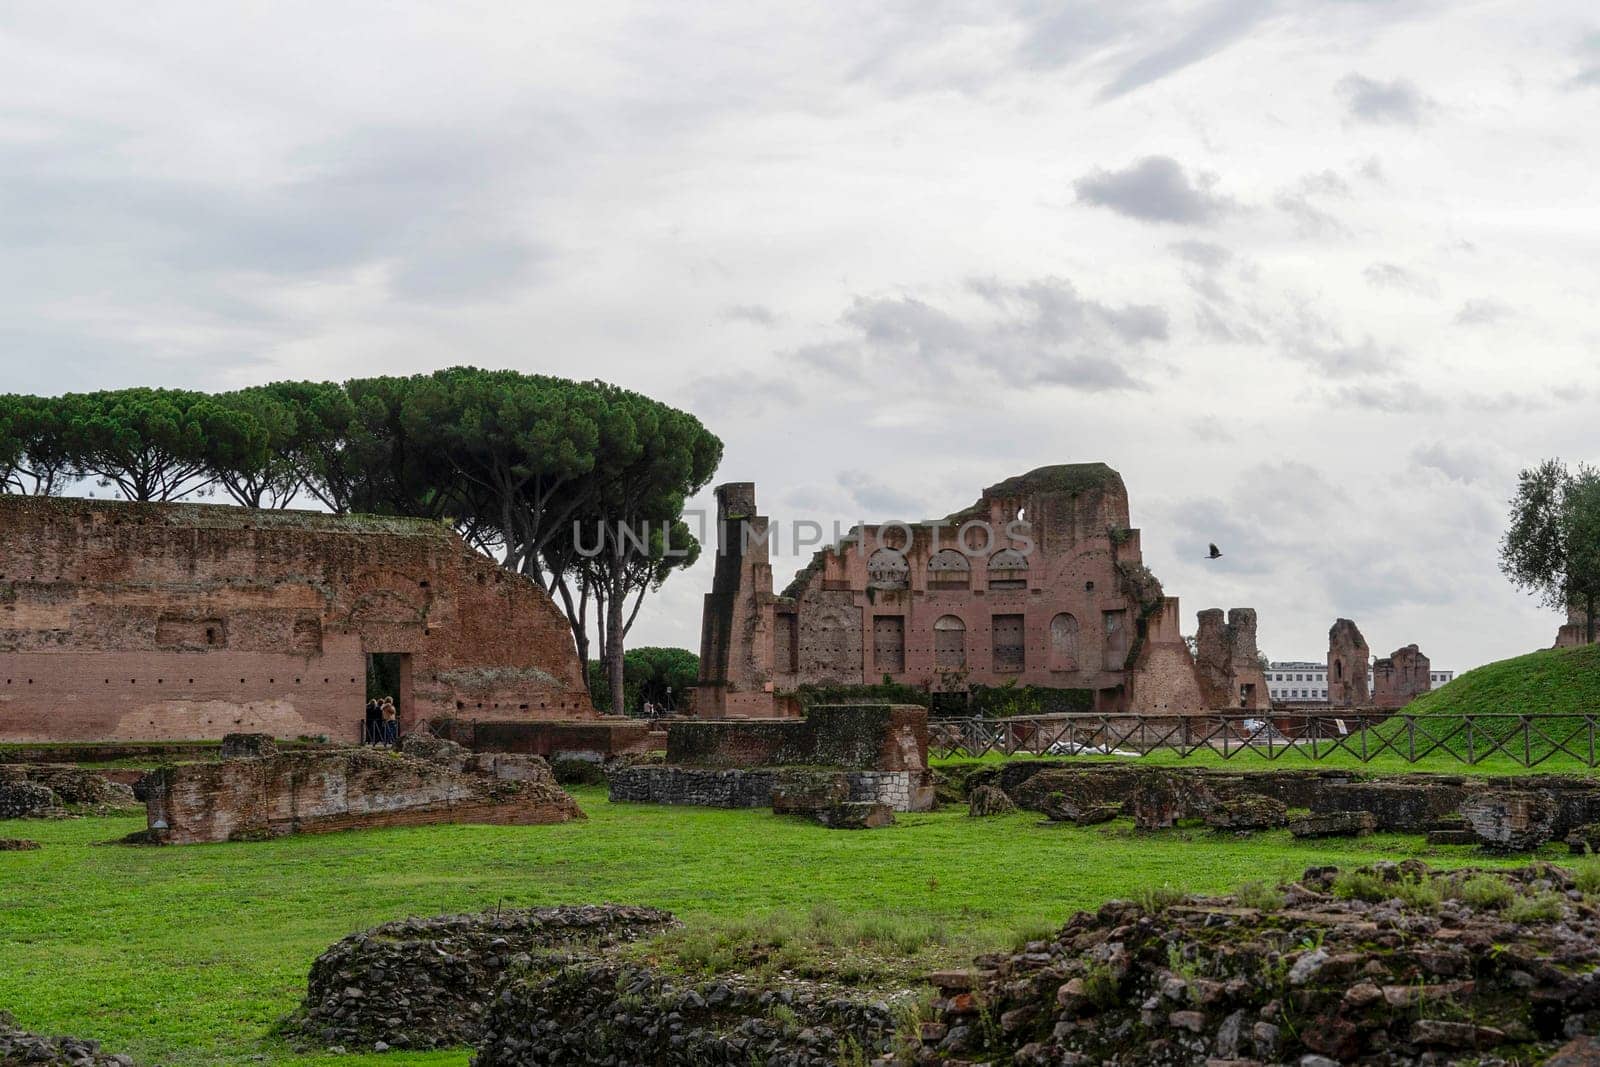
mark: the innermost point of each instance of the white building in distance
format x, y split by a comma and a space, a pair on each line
1306, 682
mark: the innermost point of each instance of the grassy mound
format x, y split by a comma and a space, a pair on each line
1486, 705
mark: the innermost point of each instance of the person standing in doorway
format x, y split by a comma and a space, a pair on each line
372, 729
391, 722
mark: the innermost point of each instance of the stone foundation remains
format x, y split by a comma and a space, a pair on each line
1505, 813
1294, 975
343, 789
867, 754
427, 983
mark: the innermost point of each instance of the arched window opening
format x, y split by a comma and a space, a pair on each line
949, 569
1008, 569
887, 569
949, 643
1064, 642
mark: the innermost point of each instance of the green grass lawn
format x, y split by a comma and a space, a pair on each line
189, 955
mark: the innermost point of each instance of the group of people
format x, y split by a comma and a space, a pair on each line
383, 722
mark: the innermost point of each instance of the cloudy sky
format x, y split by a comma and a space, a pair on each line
1316, 277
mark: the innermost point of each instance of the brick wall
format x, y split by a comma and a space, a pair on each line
122, 621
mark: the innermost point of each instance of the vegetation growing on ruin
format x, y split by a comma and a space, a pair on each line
189, 955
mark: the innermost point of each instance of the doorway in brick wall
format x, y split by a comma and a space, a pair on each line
389, 675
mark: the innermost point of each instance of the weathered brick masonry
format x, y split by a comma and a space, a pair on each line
1040, 582
868, 752
160, 621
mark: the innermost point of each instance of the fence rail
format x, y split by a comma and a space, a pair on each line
1526, 740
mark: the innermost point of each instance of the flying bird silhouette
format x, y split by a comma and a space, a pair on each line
1215, 552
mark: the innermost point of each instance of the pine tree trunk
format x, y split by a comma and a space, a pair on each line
613, 649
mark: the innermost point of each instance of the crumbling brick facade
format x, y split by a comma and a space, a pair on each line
1348, 659
123, 621
1400, 677
1228, 662
1040, 582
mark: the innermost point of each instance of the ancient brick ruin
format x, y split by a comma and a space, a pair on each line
1400, 677
160, 621
1348, 659
870, 754
309, 792
1040, 582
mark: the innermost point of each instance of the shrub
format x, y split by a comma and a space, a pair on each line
1586, 874
1360, 885
1539, 908
1484, 891
1259, 895
571, 771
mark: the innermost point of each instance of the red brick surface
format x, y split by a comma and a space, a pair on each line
122, 621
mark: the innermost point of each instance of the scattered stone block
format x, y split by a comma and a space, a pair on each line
249, 746
989, 800
1247, 813
1158, 801
18, 844
1334, 824
855, 815
1452, 837
1511, 820
1059, 807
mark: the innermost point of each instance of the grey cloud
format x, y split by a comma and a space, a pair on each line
1217, 27
1393, 398
1456, 462
1311, 339
1394, 276
1369, 100
1211, 430
1202, 253
1310, 220
1216, 325
1483, 311
756, 314
1301, 202
1155, 189
1042, 332
872, 497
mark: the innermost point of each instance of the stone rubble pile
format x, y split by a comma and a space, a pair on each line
425, 983
64, 784
1388, 965
21, 799
611, 1012
18, 844
19, 1047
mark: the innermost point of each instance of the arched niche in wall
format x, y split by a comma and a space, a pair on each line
949, 643
1008, 569
887, 569
949, 569
1064, 642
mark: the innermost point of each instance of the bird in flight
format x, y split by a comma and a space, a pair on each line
1215, 553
